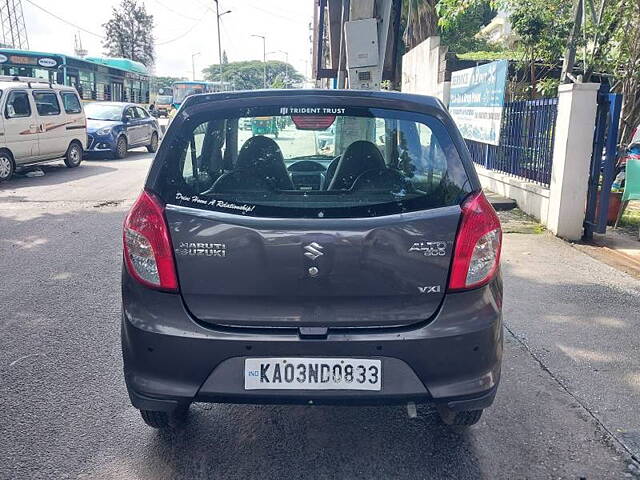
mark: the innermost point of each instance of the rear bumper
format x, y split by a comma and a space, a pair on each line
170, 359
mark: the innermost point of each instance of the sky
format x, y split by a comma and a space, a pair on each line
183, 28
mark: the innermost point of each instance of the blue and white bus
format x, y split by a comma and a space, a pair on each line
183, 89
95, 78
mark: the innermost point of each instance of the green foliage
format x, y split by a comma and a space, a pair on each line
460, 33
490, 55
457, 22
248, 75
129, 33
547, 87
451, 11
621, 57
542, 27
419, 20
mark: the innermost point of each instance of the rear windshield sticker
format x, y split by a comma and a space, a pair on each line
195, 199
312, 111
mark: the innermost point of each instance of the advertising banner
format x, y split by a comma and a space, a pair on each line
477, 101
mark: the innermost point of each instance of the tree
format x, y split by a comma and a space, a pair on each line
225, 59
164, 83
624, 55
421, 21
460, 32
456, 21
129, 33
247, 75
542, 27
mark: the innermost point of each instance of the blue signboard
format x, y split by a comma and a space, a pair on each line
477, 100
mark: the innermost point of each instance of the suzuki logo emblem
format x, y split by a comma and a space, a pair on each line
313, 250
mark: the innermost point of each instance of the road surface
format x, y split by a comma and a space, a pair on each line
65, 411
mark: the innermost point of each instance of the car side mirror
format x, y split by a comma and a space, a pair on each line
125, 119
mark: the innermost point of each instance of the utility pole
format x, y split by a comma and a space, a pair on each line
193, 65
264, 59
218, 15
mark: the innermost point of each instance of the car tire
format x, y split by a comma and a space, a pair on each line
459, 419
7, 166
121, 147
153, 146
73, 157
165, 420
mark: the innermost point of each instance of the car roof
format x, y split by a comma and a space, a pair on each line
296, 95
6, 85
117, 104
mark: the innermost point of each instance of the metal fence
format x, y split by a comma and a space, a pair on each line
526, 141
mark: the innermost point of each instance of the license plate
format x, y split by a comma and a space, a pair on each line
312, 374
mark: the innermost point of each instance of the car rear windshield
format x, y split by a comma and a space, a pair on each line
315, 162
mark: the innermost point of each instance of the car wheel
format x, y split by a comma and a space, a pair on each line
165, 420
6, 166
73, 157
153, 146
121, 147
459, 419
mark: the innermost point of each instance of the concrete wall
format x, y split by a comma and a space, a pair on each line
531, 198
421, 67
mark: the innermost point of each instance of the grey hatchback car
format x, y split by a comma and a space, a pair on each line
364, 270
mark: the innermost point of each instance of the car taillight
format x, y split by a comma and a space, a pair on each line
476, 254
147, 248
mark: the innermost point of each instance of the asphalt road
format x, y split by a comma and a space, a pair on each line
65, 413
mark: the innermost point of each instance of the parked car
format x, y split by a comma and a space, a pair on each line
115, 127
266, 272
40, 122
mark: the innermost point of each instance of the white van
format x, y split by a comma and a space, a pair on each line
39, 122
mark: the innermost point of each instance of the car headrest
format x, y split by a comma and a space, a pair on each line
262, 156
259, 151
359, 157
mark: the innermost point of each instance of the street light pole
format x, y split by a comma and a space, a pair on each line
193, 65
218, 15
264, 59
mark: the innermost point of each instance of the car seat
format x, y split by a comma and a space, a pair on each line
260, 165
359, 157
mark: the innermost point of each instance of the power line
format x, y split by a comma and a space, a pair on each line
183, 34
65, 21
269, 12
228, 38
175, 12
164, 42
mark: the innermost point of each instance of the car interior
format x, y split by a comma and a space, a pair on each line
395, 162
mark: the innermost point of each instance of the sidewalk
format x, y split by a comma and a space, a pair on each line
580, 320
616, 248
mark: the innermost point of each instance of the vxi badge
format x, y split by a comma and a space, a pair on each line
429, 289
430, 249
